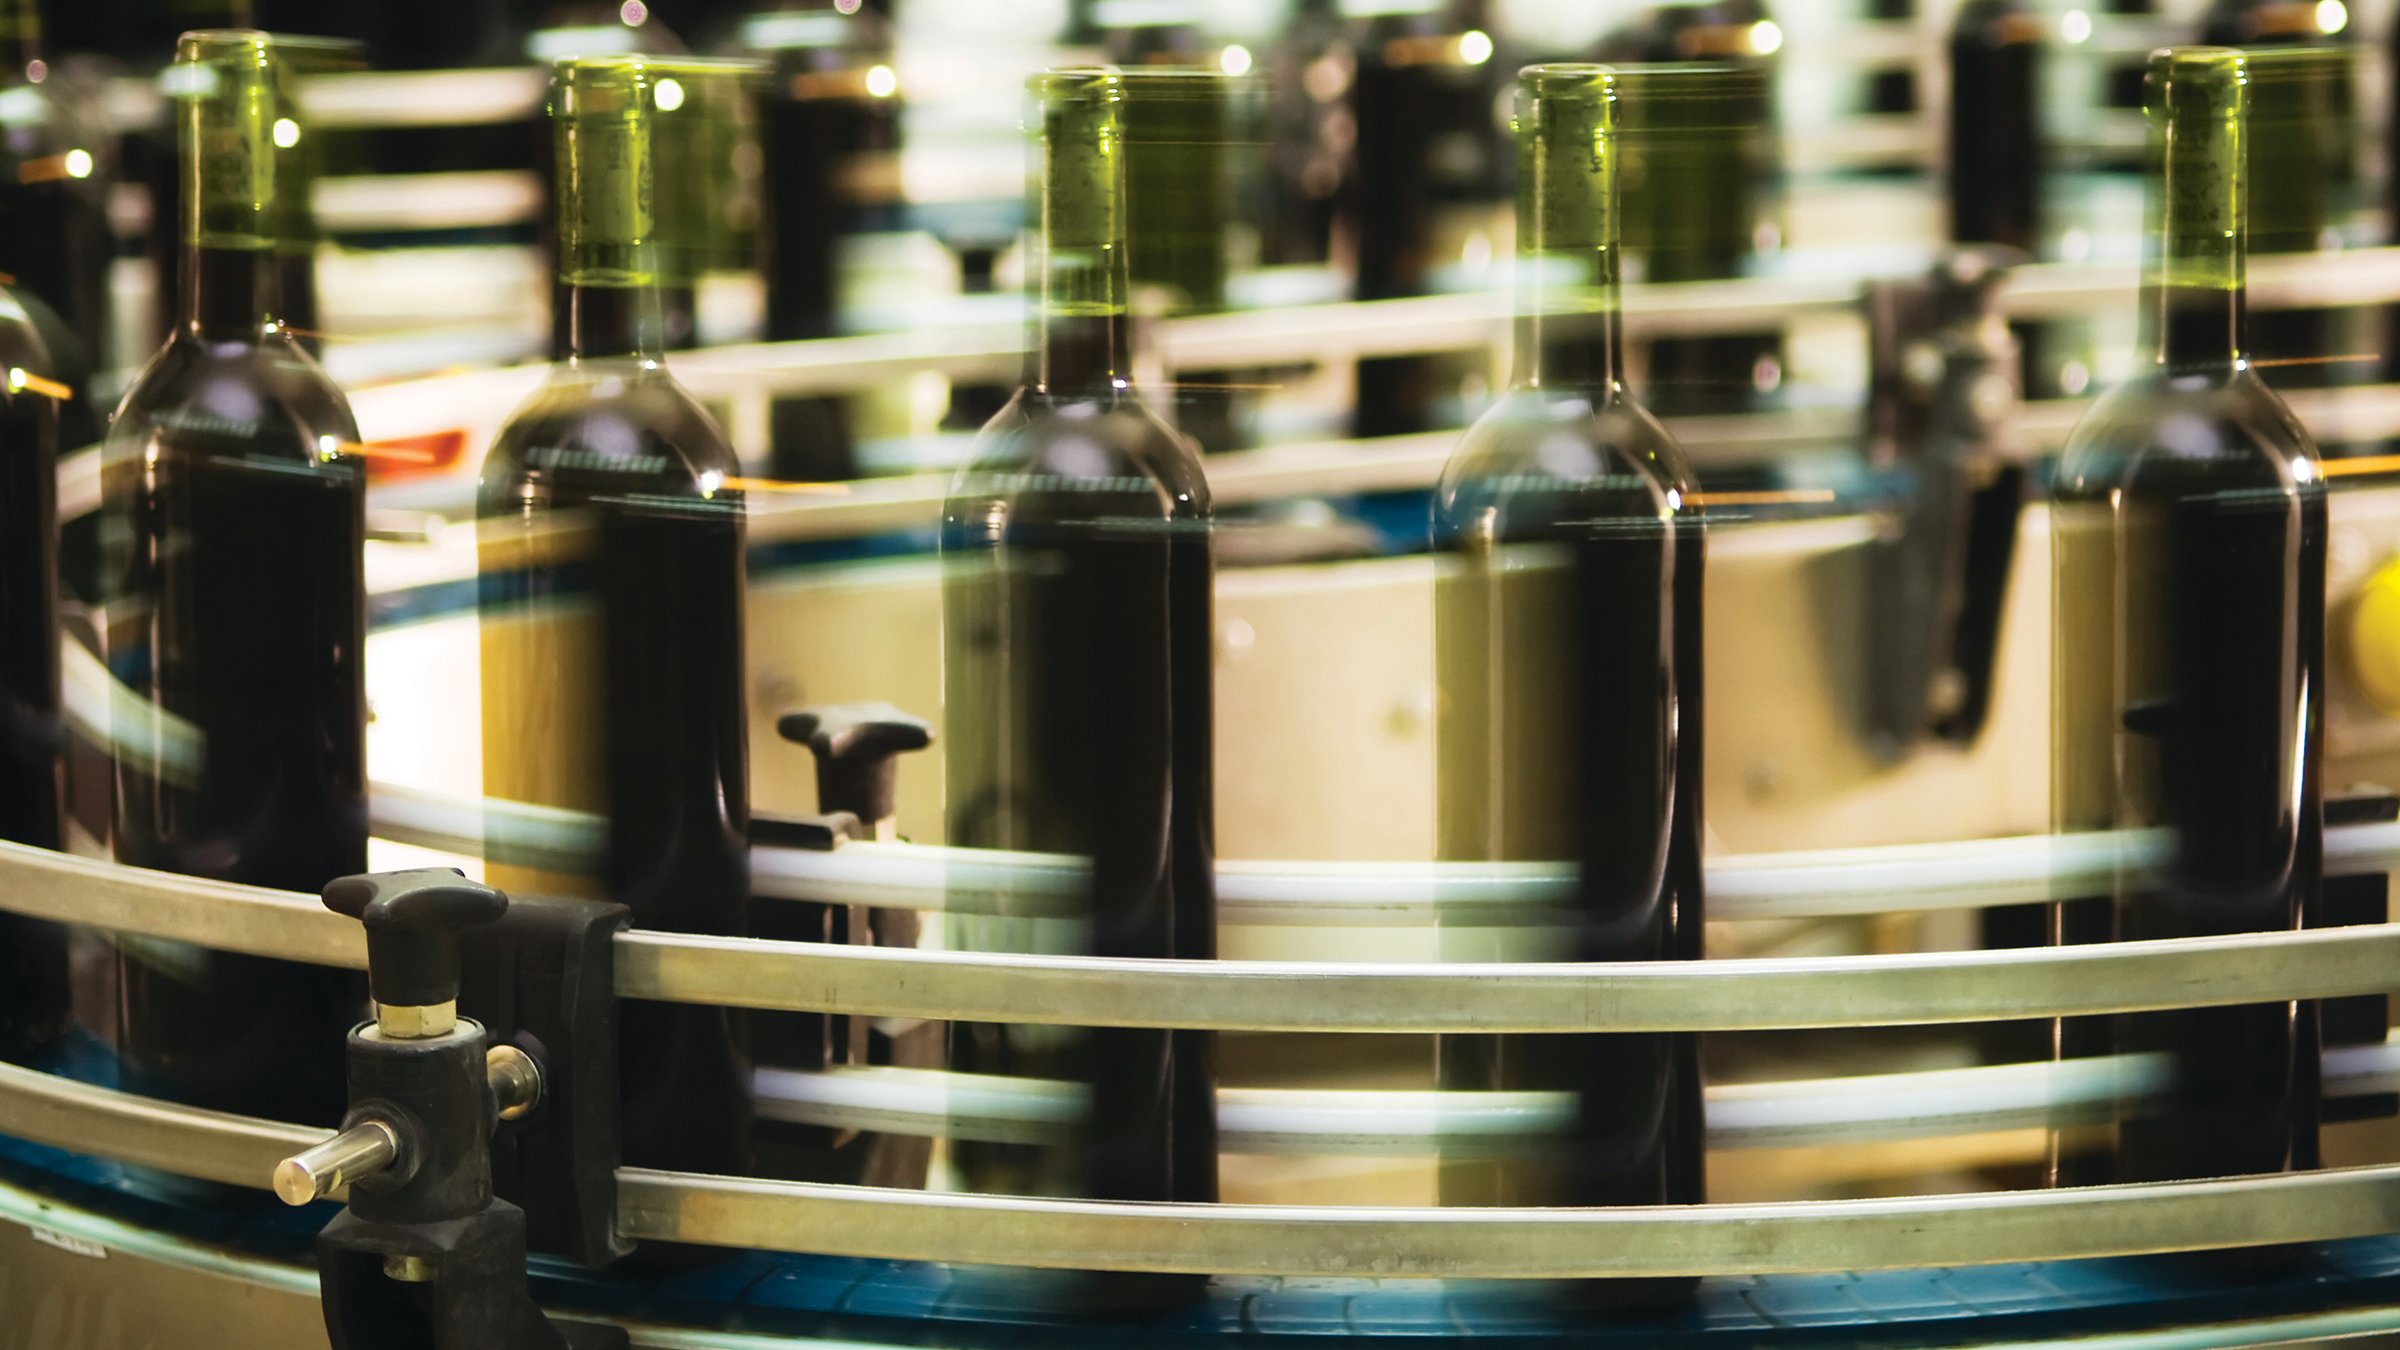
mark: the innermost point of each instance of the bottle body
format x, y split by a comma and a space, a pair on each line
612, 638
241, 753
2188, 529
1566, 620
2181, 528
34, 990
1076, 610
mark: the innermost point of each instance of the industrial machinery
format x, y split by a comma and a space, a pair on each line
1890, 1118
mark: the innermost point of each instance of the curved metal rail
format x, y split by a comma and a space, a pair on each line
1292, 996
1966, 1229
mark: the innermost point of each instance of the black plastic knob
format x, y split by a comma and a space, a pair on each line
413, 920
856, 745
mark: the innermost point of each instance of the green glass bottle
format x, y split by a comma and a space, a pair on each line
1179, 203
54, 232
611, 617
35, 996
1076, 630
1567, 631
233, 522
2188, 594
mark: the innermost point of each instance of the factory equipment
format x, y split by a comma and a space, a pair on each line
1254, 894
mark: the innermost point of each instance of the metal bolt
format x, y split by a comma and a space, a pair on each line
316, 1173
515, 1078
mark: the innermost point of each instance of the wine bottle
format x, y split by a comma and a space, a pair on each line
1179, 210
706, 196
54, 232
1995, 164
1428, 163
234, 521
35, 1004
1567, 623
611, 585
830, 127
1308, 73
2188, 591
2303, 166
1700, 162
1892, 90
1076, 630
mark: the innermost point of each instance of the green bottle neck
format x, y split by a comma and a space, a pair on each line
608, 251
20, 41
230, 294
1085, 347
1568, 325
2192, 288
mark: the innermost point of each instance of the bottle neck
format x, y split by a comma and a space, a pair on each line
1085, 345
20, 40
230, 294
1568, 326
2192, 288
608, 247
611, 321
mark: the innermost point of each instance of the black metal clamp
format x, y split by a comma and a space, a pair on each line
426, 1255
1943, 393
857, 748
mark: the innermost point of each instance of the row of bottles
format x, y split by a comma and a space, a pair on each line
227, 603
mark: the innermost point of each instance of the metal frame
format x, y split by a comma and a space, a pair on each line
1309, 1240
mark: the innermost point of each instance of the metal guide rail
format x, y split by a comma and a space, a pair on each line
1291, 996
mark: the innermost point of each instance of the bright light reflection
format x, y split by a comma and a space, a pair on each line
1766, 38
2332, 16
670, 95
79, 163
633, 13
2076, 27
1234, 60
287, 132
882, 81
1475, 47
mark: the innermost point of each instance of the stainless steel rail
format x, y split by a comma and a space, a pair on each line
1904, 1233
1965, 1229
1908, 989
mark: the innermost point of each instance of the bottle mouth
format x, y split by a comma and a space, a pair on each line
1078, 84
1583, 80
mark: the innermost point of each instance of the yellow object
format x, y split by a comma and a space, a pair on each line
2375, 638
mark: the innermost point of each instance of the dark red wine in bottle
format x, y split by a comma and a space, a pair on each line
35, 1007
234, 510
1076, 615
1567, 629
1429, 156
611, 574
830, 129
2188, 523
55, 237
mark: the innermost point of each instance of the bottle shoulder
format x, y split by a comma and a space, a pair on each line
2200, 432
236, 398
608, 427
1540, 452
1118, 447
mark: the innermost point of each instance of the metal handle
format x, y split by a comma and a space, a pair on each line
316, 1173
